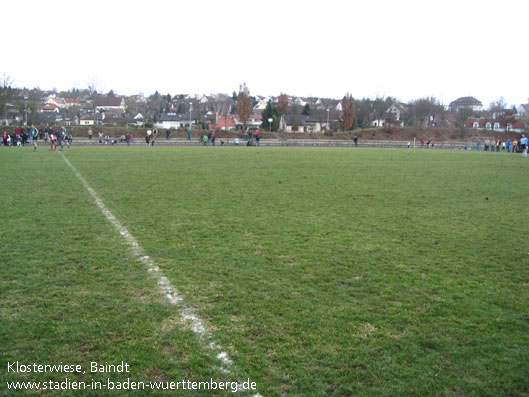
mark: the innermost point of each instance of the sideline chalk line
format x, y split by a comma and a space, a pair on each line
168, 290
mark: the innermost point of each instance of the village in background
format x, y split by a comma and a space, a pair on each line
241, 110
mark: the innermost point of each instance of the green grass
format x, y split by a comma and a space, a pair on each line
321, 271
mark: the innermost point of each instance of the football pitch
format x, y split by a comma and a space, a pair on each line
306, 271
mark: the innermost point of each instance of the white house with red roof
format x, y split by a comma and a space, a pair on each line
500, 125
225, 123
62, 103
110, 103
49, 108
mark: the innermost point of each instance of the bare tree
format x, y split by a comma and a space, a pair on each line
93, 86
497, 107
348, 110
424, 110
282, 104
5, 91
244, 104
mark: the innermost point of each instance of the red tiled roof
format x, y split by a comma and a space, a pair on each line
223, 123
49, 107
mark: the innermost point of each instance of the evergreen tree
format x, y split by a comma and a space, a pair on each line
306, 110
181, 108
271, 112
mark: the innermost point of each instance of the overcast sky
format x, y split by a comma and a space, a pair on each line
406, 49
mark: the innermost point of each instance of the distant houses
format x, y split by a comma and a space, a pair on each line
466, 102
496, 125
219, 112
303, 123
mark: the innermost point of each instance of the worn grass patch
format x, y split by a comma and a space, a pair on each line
322, 271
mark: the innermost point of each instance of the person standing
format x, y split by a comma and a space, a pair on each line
205, 140
148, 137
355, 140
34, 137
523, 145
509, 145
90, 133
257, 137
53, 142
68, 139
213, 137
167, 134
479, 144
189, 134
154, 136
422, 143
59, 139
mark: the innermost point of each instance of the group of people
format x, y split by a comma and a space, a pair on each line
210, 137
252, 138
150, 137
20, 136
428, 144
497, 145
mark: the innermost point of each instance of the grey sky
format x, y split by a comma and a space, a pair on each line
407, 49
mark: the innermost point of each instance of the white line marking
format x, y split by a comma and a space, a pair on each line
165, 286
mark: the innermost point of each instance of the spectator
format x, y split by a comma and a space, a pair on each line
355, 140
523, 145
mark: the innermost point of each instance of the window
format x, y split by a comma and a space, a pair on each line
509, 127
496, 126
488, 126
475, 125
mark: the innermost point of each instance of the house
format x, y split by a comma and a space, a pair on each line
395, 111
499, 124
393, 117
49, 108
91, 119
523, 109
255, 120
138, 119
174, 120
302, 123
110, 103
292, 123
466, 102
225, 123
62, 103
260, 106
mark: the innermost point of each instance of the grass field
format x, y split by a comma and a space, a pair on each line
321, 271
